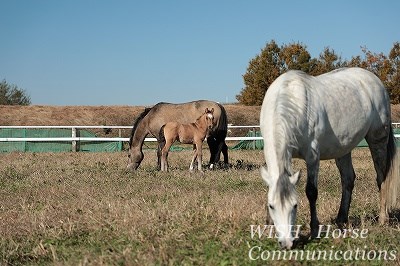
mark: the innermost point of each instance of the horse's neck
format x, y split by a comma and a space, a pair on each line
279, 152
139, 135
201, 126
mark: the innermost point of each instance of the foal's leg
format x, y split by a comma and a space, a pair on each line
312, 193
164, 155
347, 176
199, 155
161, 145
193, 158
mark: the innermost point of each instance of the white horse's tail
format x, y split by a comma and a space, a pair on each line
392, 180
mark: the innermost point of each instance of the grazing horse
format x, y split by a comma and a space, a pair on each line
193, 133
152, 119
320, 118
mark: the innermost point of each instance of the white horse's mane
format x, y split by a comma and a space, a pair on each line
290, 106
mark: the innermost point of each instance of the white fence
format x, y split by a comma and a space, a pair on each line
74, 138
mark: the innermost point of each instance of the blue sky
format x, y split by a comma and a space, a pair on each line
142, 52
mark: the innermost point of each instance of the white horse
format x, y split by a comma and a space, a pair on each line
319, 118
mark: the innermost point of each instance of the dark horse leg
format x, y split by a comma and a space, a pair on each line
212, 144
312, 194
347, 175
161, 144
159, 148
224, 149
217, 145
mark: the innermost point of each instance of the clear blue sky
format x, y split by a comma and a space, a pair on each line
90, 52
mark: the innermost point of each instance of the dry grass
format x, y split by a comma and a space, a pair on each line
83, 208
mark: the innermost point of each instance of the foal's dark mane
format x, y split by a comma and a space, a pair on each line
136, 123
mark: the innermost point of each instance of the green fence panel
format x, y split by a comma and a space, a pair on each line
250, 144
259, 144
12, 146
53, 146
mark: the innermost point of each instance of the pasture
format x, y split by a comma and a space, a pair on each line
84, 208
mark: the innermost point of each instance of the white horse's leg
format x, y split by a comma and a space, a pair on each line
347, 175
312, 189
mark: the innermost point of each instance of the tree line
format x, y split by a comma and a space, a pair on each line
275, 60
12, 95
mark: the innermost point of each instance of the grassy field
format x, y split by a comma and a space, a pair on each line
83, 208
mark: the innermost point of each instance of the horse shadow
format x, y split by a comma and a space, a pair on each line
373, 218
394, 217
238, 165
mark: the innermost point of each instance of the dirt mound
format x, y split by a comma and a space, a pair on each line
39, 115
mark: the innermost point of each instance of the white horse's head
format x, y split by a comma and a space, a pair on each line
282, 204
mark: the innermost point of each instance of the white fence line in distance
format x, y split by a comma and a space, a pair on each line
74, 138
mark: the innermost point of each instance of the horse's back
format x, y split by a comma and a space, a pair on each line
335, 110
355, 95
183, 113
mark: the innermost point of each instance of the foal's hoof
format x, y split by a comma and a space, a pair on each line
382, 220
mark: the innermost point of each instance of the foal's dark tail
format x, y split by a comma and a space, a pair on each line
392, 175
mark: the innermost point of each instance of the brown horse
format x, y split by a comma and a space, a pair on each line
152, 119
193, 133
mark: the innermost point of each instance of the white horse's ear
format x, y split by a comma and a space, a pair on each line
265, 175
295, 178
212, 110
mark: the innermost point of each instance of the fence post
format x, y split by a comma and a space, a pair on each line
119, 143
254, 141
24, 141
74, 141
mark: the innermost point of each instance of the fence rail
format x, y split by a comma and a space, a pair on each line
75, 139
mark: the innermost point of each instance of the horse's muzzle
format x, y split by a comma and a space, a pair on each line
285, 243
132, 167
